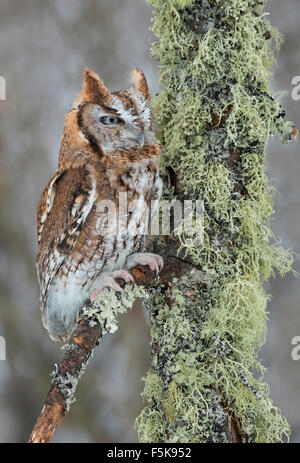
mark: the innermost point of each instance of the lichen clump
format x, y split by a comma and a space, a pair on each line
109, 304
216, 112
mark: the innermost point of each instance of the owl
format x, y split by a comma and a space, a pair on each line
93, 215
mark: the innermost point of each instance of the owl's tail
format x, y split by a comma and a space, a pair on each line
60, 312
58, 329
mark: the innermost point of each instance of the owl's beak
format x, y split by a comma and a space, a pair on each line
136, 137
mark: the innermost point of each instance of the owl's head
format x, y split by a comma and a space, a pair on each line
115, 123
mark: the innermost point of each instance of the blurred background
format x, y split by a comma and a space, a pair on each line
43, 48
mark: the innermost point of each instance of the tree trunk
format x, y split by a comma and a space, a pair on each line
215, 112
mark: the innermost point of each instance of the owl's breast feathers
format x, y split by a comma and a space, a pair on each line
71, 211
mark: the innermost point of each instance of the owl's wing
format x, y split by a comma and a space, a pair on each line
62, 211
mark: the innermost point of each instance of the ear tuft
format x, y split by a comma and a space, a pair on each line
88, 74
139, 83
93, 90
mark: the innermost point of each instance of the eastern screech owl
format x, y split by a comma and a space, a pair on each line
108, 147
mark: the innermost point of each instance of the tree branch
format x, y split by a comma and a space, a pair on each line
216, 112
85, 337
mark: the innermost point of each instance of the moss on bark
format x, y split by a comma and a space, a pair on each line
216, 112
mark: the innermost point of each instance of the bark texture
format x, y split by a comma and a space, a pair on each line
215, 113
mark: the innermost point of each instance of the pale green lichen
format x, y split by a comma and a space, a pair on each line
67, 384
216, 112
109, 304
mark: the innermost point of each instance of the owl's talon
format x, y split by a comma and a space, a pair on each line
154, 261
124, 275
107, 280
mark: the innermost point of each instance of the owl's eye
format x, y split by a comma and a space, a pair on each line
110, 120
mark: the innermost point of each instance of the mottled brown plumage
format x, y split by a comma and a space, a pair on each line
86, 235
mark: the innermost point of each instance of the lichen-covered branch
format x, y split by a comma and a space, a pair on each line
215, 113
97, 319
